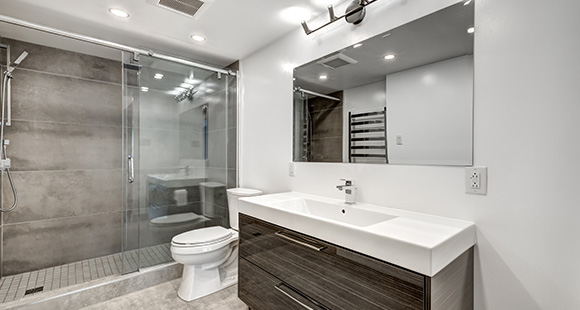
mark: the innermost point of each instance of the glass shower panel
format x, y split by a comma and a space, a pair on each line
178, 139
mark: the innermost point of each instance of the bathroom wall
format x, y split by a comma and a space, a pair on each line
526, 131
419, 101
65, 146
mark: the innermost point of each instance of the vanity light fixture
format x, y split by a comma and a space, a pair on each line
357, 45
144, 89
355, 13
323, 77
158, 76
197, 37
389, 56
470, 30
119, 12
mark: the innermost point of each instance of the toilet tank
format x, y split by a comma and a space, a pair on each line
233, 195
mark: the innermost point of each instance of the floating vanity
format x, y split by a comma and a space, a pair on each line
300, 251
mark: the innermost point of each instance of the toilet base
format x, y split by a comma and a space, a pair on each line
197, 283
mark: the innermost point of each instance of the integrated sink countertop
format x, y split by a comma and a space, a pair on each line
176, 179
419, 242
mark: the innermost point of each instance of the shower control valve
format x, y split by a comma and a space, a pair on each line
5, 163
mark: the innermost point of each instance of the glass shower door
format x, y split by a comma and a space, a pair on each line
176, 142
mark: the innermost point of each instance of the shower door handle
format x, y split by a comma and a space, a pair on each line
131, 168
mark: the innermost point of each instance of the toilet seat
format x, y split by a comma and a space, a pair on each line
203, 240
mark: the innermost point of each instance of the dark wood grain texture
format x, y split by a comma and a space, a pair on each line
320, 275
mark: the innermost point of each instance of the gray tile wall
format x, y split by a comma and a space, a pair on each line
65, 146
327, 125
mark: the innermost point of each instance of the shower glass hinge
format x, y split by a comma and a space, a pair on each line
136, 56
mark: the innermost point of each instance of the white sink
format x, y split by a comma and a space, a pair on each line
347, 214
175, 179
419, 242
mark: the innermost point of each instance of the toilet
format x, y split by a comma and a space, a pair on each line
210, 255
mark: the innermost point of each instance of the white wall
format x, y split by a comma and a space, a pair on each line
526, 131
430, 109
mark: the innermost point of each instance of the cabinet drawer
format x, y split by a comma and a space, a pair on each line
336, 277
262, 291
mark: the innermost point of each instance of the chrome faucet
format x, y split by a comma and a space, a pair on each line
349, 191
187, 170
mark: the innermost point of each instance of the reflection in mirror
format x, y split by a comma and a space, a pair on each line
404, 96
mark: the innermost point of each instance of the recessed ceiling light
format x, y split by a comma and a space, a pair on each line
470, 30
145, 89
119, 12
357, 45
323, 77
389, 57
197, 37
158, 76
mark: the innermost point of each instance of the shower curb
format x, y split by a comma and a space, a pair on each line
90, 293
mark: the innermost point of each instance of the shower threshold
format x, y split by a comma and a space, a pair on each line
20, 285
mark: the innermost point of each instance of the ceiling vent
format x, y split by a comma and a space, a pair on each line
189, 8
336, 61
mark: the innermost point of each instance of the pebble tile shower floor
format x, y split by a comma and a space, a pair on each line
16, 286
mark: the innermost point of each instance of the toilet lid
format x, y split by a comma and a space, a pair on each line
244, 192
211, 184
203, 236
174, 219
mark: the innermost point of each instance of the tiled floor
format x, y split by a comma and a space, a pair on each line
16, 286
164, 296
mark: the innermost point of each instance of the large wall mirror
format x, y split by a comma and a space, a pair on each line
404, 96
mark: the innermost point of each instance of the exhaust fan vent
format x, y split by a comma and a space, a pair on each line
185, 7
337, 61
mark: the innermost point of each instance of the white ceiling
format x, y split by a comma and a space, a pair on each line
234, 28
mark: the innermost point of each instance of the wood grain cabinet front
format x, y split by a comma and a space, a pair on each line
283, 269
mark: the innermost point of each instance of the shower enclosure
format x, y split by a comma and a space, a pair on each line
178, 123
111, 155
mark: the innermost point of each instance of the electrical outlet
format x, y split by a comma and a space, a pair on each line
399, 140
291, 169
476, 180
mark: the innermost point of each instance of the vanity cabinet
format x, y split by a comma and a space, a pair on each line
283, 269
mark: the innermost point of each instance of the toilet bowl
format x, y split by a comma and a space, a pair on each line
210, 255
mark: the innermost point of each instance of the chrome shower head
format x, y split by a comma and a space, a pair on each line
17, 62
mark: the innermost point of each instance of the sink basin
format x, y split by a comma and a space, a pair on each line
347, 214
175, 179
419, 242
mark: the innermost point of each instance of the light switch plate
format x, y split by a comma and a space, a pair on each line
476, 180
291, 169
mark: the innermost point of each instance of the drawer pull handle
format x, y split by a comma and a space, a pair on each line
277, 287
300, 242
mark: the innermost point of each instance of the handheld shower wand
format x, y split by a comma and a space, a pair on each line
17, 62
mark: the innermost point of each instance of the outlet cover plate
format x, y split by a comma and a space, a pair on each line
476, 180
